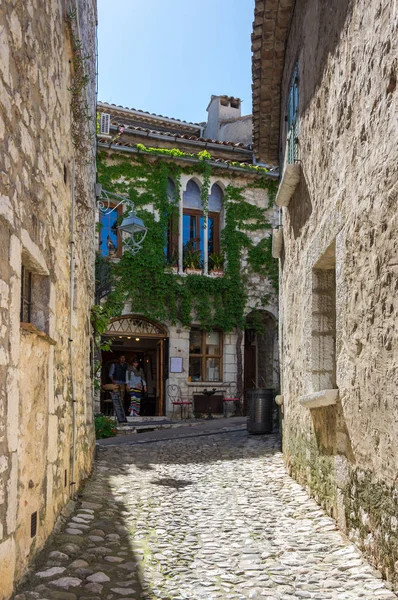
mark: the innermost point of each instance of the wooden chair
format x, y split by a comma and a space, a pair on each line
232, 395
177, 398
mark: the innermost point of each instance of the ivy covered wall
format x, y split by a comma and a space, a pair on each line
144, 281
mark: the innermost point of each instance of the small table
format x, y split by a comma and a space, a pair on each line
209, 404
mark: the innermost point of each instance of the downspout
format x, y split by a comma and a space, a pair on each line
71, 302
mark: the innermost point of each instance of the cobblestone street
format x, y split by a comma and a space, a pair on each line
199, 518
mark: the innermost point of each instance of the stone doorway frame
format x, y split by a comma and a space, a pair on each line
131, 326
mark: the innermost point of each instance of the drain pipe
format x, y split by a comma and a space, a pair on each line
72, 483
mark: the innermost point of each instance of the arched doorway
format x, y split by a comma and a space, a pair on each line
138, 336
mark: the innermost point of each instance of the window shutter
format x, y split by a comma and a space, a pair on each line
105, 122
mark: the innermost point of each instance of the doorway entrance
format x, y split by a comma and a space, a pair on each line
261, 352
134, 336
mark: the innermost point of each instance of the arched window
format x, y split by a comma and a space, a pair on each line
193, 220
215, 199
171, 241
215, 208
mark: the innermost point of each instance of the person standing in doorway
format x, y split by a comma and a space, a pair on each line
136, 384
117, 374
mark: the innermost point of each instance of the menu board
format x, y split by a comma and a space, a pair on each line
118, 406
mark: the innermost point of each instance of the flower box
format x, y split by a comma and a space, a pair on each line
171, 269
193, 271
216, 273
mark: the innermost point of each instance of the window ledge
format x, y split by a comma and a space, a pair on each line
319, 399
204, 384
32, 329
288, 184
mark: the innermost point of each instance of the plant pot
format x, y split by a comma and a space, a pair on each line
172, 269
193, 271
216, 273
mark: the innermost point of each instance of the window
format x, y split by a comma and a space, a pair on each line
110, 239
35, 294
26, 295
292, 119
323, 334
205, 355
193, 230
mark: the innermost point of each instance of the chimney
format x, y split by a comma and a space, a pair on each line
220, 108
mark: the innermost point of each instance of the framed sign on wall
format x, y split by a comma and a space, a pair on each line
176, 364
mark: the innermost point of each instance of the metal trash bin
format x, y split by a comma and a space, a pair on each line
260, 406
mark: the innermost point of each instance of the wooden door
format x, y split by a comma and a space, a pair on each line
160, 378
250, 371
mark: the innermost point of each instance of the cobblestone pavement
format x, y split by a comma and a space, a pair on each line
199, 518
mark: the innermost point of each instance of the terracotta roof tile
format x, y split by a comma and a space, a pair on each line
185, 136
144, 112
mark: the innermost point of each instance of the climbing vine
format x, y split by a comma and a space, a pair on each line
143, 279
80, 111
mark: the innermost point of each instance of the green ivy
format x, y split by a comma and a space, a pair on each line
105, 427
143, 279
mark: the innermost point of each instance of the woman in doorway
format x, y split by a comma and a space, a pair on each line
135, 383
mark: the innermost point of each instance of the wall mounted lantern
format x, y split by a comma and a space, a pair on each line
131, 224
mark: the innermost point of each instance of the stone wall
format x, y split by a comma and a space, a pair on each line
346, 200
237, 129
37, 174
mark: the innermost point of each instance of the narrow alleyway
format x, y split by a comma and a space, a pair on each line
199, 518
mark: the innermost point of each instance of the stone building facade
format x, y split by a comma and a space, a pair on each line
325, 107
46, 191
126, 130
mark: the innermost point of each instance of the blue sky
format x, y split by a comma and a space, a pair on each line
169, 56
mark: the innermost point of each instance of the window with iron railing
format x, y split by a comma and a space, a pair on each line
292, 120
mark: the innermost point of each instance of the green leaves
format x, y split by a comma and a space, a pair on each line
104, 427
144, 280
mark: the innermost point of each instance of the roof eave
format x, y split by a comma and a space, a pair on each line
146, 116
270, 31
249, 170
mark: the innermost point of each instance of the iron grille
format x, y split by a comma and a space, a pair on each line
33, 524
26, 295
292, 119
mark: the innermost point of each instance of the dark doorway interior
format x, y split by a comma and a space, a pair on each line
148, 351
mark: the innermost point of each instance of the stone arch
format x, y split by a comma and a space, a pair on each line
171, 188
191, 196
193, 179
139, 325
218, 182
216, 198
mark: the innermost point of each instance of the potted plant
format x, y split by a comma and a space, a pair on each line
216, 263
172, 261
192, 259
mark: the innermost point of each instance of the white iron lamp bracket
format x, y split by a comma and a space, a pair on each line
131, 224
